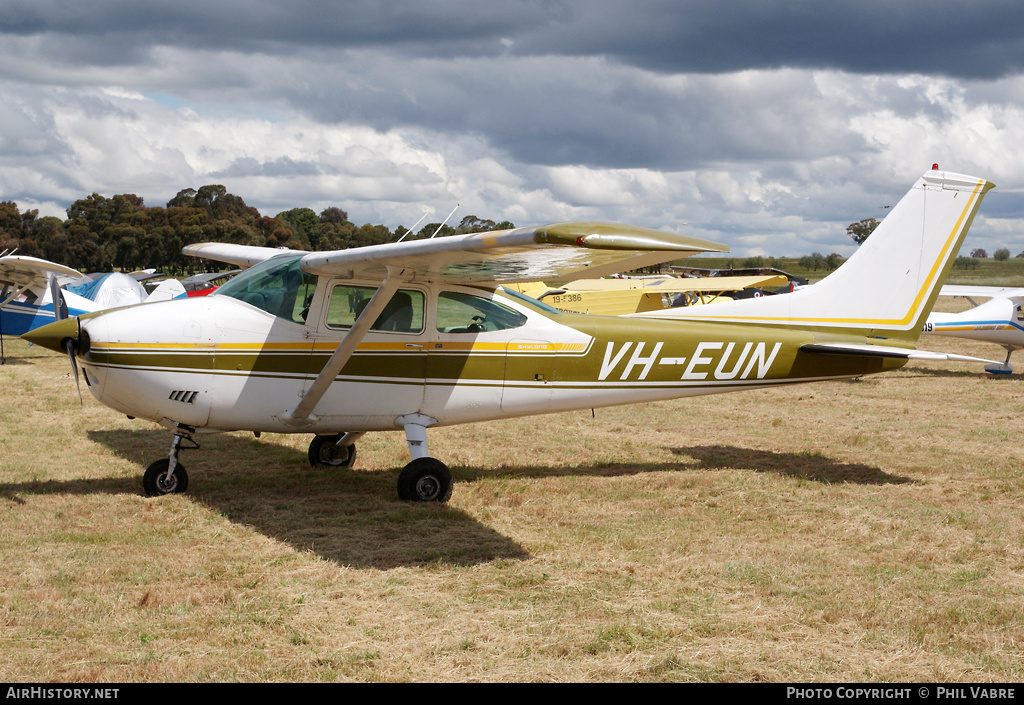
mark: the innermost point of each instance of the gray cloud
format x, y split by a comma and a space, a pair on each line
981, 39
764, 122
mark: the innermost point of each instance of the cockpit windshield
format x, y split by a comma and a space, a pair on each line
277, 286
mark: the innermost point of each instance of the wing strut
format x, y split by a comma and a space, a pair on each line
16, 294
301, 414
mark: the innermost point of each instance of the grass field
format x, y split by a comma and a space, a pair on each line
866, 530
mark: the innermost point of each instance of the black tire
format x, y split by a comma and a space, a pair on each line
154, 480
324, 451
425, 480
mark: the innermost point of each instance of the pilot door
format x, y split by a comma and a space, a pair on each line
385, 376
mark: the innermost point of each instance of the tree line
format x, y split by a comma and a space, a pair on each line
104, 234
862, 229
122, 233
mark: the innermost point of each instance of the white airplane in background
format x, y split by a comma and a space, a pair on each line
999, 320
29, 286
33, 293
412, 335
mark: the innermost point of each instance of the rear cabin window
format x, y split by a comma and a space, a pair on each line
465, 313
403, 314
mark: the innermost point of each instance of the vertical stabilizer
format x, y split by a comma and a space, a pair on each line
887, 288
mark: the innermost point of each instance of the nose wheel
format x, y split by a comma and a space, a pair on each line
158, 481
167, 475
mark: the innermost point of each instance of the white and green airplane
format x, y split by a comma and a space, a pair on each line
411, 335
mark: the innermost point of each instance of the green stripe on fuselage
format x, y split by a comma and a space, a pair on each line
624, 352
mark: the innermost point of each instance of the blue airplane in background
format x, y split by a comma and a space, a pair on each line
35, 292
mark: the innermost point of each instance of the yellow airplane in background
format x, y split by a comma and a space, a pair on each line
620, 297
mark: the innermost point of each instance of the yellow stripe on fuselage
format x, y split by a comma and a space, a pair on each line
412, 346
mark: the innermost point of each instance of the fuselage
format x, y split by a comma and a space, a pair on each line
34, 309
455, 354
998, 320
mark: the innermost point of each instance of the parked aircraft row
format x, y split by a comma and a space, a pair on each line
413, 335
34, 292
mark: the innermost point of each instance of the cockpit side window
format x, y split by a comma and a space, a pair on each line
403, 314
277, 286
465, 313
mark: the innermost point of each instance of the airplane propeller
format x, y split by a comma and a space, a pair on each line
60, 306
60, 313
69, 345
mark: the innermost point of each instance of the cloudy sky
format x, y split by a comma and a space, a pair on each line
769, 125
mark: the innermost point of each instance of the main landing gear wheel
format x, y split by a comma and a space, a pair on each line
155, 482
324, 450
425, 480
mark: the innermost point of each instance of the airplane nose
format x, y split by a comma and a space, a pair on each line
52, 335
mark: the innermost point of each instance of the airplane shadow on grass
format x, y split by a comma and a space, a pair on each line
957, 374
354, 518
8, 359
804, 466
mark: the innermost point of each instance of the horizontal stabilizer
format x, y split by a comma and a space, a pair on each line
888, 351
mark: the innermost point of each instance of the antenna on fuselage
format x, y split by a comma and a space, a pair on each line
413, 228
445, 221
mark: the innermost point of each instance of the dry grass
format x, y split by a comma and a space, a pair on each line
853, 531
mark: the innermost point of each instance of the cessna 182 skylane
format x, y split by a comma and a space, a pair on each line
411, 335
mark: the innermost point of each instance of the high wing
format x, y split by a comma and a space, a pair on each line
550, 252
677, 285
239, 255
557, 252
622, 297
973, 293
739, 272
21, 271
